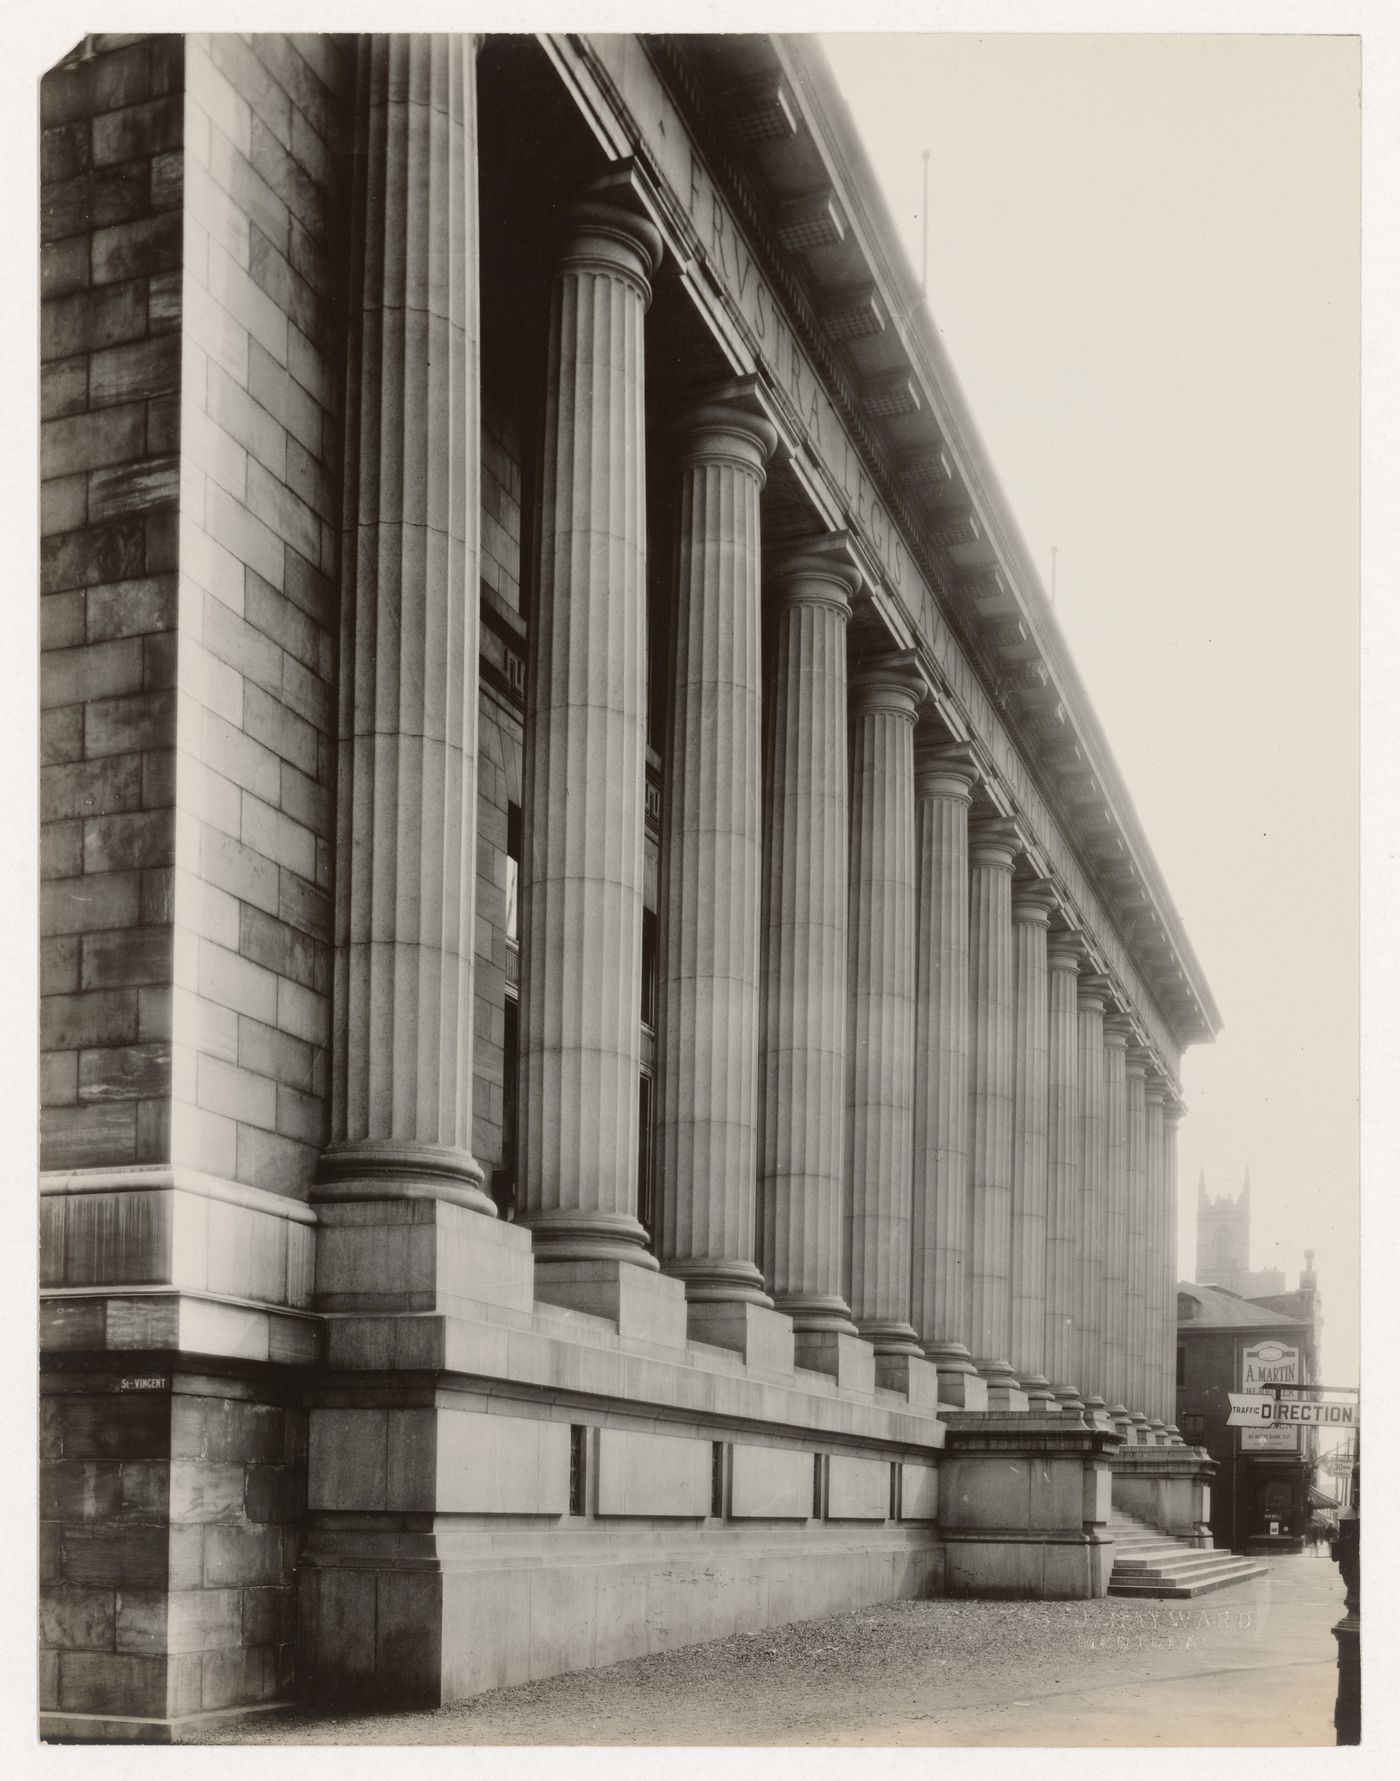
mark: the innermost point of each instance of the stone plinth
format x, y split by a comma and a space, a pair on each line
1024, 1504
1168, 1487
885, 697
707, 1040
585, 748
943, 780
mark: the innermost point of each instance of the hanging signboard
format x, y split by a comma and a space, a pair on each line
1269, 1363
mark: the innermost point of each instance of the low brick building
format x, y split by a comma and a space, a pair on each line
1259, 1495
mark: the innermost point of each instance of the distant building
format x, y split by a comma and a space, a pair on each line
1225, 1342
1222, 1245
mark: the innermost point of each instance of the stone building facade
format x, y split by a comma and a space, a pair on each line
611, 1037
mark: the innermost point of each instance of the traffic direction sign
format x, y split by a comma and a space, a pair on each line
1250, 1411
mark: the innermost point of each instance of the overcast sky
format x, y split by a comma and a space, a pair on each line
1143, 258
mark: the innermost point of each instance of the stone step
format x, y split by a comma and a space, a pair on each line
1168, 1564
1178, 1589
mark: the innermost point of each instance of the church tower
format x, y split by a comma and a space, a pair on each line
1222, 1237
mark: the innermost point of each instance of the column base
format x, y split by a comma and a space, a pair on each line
646, 1305
889, 1336
589, 1237
1158, 1431
1040, 1395
1068, 1398
1142, 1429
719, 1282
1122, 1421
911, 1376
1003, 1387
761, 1336
958, 1384
379, 1169
816, 1313
849, 1360
1096, 1412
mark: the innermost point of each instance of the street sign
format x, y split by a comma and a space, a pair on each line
1250, 1411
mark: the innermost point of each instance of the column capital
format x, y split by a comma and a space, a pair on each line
993, 843
1094, 992
1157, 1087
1033, 900
1065, 949
1139, 1057
945, 770
1117, 1028
892, 683
725, 424
1174, 1111
606, 227
816, 575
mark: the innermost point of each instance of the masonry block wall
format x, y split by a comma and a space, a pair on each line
259, 515
172, 1517
192, 272
110, 343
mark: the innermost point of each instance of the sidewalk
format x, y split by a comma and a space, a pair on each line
1254, 1664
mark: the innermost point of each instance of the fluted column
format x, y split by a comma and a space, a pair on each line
1172, 1115
1135, 1329
1155, 1095
1031, 903
707, 1056
1063, 952
804, 931
885, 698
401, 1101
585, 742
944, 776
1116, 1029
992, 849
1090, 1278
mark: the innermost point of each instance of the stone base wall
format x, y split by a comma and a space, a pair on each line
563, 1602
173, 1504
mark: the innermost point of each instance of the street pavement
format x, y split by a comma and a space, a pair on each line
1251, 1665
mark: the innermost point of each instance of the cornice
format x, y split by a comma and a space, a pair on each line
993, 598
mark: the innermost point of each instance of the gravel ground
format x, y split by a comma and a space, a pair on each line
932, 1672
